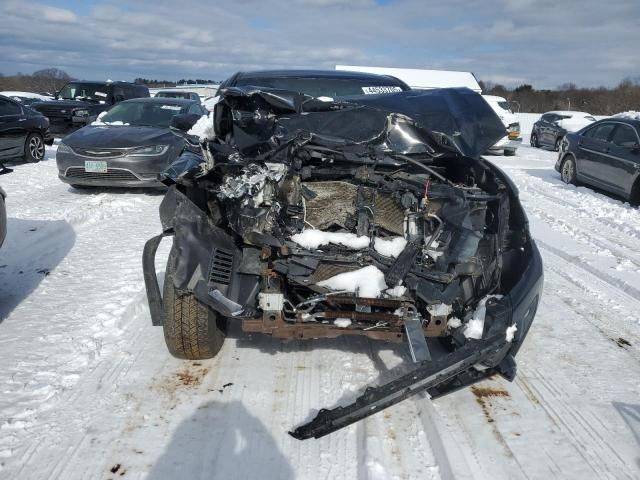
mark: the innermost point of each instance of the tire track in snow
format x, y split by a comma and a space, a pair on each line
612, 209
623, 287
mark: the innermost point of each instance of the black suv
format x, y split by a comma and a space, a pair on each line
79, 103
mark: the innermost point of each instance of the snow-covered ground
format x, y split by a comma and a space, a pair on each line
88, 390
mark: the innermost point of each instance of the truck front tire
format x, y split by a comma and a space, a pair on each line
192, 330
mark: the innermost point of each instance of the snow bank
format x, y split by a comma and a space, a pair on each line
389, 248
454, 322
342, 322
475, 326
312, 239
367, 282
396, 291
203, 129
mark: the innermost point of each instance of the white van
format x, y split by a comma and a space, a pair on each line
510, 142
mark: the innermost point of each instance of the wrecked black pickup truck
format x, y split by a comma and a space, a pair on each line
306, 218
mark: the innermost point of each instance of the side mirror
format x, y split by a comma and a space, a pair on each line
184, 121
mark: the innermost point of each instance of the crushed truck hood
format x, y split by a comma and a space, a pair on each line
444, 120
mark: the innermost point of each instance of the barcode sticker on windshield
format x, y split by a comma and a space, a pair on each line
171, 107
380, 89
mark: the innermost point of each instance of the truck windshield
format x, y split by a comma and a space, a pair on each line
325, 87
84, 91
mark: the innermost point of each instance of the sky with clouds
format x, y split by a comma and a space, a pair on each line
542, 42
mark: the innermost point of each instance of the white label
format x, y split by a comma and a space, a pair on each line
100, 94
171, 107
380, 89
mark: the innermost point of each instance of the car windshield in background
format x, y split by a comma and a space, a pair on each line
324, 87
84, 91
173, 95
143, 114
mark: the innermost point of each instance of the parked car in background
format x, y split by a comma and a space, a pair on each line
605, 155
178, 94
508, 144
79, 103
23, 131
553, 126
128, 147
26, 98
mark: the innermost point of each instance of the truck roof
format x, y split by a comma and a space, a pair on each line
421, 79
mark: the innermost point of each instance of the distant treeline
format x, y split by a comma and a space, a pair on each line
597, 101
152, 83
48, 80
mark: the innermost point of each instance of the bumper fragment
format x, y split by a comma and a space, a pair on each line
428, 375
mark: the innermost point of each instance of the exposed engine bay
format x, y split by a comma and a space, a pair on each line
362, 247
304, 219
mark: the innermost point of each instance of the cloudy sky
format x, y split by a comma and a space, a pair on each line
542, 42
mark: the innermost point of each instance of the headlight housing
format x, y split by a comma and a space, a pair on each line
64, 148
80, 113
150, 151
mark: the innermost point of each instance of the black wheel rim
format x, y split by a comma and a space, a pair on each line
36, 148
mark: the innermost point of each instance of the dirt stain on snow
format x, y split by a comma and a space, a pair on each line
192, 377
484, 397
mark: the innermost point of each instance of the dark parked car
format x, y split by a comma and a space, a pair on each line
23, 131
371, 215
605, 155
127, 147
178, 94
79, 103
549, 131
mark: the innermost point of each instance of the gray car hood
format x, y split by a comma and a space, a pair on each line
120, 136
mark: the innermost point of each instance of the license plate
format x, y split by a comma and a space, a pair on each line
95, 166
